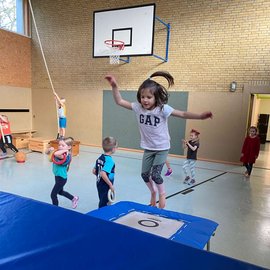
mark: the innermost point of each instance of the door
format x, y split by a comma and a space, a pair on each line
263, 126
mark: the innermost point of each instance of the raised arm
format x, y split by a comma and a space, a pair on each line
184, 143
57, 98
193, 148
116, 94
60, 153
190, 115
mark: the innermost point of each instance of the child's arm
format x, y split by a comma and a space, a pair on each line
60, 153
49, 150
190, 115
184, 143
193, 148
107, 180
257, 147
116, 94
244, 147
58, 100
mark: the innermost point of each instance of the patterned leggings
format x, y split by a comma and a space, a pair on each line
191, 164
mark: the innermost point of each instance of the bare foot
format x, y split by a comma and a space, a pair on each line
153, 199
162, 200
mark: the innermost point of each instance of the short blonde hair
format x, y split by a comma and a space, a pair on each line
108, 144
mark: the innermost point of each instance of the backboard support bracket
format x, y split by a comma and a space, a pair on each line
168, 27
166, 58
125, 60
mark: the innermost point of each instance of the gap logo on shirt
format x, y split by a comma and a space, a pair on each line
149, 120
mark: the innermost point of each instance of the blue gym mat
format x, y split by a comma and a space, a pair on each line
40, 236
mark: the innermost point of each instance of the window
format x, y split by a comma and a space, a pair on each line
12, 16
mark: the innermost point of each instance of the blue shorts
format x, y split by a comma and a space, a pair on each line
62, 122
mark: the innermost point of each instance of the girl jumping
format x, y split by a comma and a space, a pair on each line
152, 114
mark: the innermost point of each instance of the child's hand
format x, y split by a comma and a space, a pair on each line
112, 188
94, 171
184, 141
206, 115
49, 150
111, 79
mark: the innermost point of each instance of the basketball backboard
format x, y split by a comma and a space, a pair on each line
132, 25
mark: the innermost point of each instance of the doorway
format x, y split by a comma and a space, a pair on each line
259, 117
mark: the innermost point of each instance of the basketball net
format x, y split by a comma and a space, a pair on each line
115, 47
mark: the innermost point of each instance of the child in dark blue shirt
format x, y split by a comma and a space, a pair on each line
104, 170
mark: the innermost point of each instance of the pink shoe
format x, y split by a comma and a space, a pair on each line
75, 202
169, 172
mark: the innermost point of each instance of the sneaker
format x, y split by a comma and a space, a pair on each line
75, 202
3, 154
192, 182
186, 180
169, 172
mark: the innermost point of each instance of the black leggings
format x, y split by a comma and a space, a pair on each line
8, 142
59, 189
249, 167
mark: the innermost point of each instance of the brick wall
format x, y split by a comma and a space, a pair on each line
212, 44
15, 55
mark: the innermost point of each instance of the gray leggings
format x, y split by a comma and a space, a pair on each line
152, 165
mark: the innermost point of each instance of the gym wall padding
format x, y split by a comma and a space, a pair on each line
122, 124
36, 235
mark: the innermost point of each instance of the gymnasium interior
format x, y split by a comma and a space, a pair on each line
218, 54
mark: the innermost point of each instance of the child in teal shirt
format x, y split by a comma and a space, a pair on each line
61, 159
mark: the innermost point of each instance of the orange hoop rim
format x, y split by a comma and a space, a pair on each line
115, 44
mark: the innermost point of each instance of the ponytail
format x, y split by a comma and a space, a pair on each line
166, 75
159, 91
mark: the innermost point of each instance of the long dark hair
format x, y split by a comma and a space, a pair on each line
159, 91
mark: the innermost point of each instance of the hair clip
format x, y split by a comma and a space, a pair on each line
195, 131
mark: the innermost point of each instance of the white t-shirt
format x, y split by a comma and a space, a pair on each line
62, 111
153, 126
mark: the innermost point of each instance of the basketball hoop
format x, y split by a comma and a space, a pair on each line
115, 47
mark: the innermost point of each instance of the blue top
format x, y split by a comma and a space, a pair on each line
105, 163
